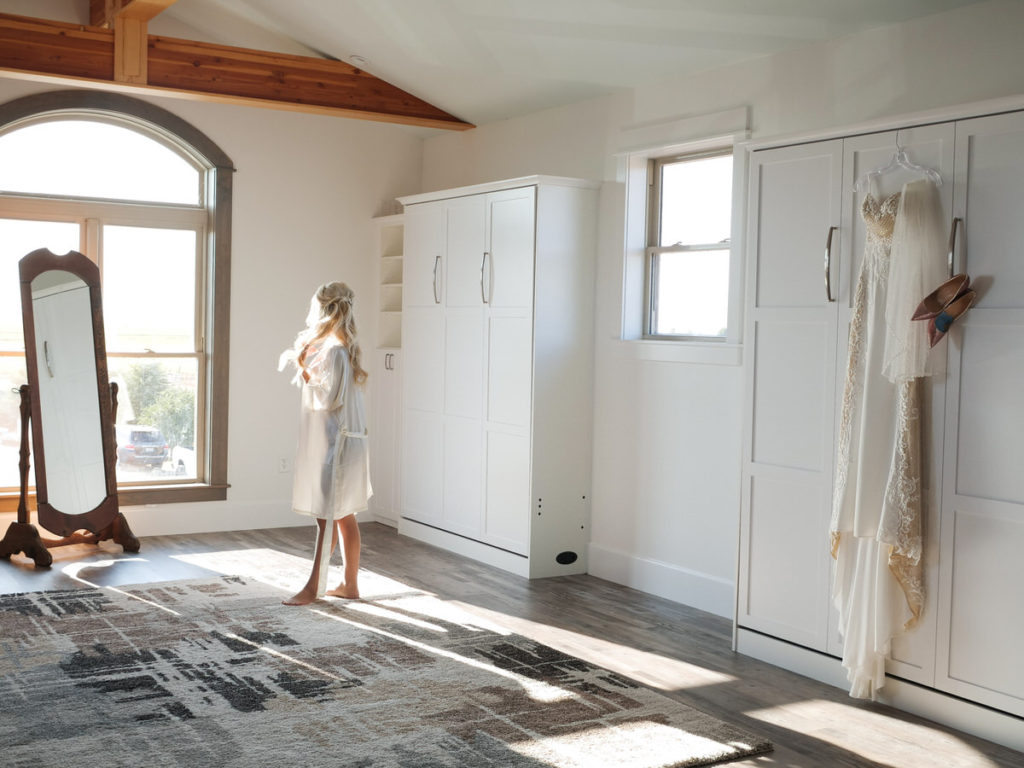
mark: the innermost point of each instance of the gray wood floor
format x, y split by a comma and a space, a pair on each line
679, 650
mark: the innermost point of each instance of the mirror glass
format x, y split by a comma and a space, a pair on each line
68, 403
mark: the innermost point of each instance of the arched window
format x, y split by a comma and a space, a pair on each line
147, 197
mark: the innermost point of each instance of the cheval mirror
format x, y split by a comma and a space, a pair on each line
71, 408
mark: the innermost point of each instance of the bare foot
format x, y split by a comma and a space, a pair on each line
344, 590
305, 597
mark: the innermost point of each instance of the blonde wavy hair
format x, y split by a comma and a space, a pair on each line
330, 313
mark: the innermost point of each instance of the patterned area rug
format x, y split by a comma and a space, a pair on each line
217, 673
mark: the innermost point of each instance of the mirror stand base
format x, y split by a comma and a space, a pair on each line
24, 537
120, 533
117, 530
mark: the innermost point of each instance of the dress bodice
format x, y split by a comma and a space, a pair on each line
880, 215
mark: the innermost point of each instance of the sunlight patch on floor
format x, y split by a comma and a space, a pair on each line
672, 674
443, 610
289, 572
637, 743
868, 733
374, 609
538, 690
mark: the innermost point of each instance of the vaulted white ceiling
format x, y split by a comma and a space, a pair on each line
486, 60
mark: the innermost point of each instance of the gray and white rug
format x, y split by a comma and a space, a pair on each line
216, 672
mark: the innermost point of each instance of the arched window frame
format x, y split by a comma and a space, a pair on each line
218, 171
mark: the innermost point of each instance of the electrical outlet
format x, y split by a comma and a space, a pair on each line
283, 464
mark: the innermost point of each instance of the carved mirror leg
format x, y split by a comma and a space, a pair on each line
24, 537
120, 533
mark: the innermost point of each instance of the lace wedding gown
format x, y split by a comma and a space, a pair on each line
875, 531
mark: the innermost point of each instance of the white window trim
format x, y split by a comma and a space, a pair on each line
638, 145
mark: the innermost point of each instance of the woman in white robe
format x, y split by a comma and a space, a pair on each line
332, 479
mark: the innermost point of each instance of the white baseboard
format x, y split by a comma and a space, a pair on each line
991, 724
210, 517
699, 590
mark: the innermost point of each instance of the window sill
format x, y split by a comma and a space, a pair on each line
695, 352
130, 497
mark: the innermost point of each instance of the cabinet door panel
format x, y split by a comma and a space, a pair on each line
466, 237
785, 590
792, 227
990, 187
422, 462
981, 646
423, 259
423, 384
509, 370
990, 448
509, 273
464, 363
507, 517
791, 392
463, 476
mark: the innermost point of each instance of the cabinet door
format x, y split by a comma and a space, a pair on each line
795, 196
384, 435
981, 619
913, 653
509, 384
465, 251
423, 255
422, 413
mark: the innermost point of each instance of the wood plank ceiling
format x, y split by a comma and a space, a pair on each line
116, 52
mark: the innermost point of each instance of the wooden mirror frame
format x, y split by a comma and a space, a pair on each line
105, 519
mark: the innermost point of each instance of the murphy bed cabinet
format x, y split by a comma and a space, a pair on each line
497, 337
968, 644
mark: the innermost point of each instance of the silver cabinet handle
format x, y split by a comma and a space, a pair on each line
828, 263
387, 361
957, 223
437, 262
483, 264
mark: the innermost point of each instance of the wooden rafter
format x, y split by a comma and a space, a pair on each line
103, 13
52, 51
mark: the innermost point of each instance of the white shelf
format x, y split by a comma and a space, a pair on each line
390, 233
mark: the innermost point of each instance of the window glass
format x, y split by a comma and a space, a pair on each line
688, 254
696, 201
693, 291
94, 159
149, 289
18, 238
156, 417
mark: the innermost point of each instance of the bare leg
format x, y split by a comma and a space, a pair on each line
307, 594
351, 544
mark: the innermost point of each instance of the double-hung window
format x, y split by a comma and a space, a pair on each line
688, 246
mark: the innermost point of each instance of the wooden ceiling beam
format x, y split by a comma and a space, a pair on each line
103, 13
50, 51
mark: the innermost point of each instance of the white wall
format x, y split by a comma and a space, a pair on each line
667, 435
305, 191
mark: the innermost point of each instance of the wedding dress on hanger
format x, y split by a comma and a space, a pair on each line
875, 530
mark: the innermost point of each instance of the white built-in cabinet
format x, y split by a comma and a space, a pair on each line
805, 240
386, 373
497, 330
